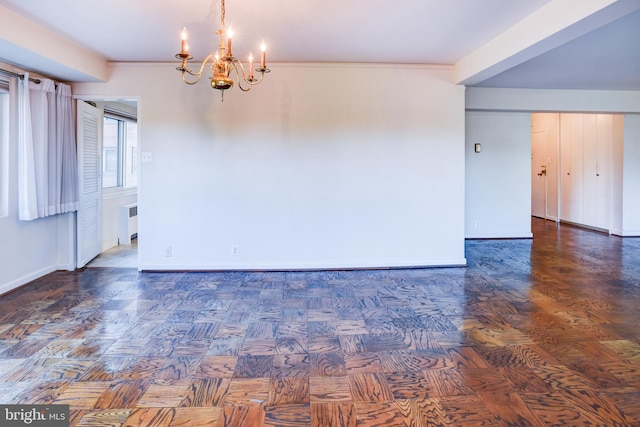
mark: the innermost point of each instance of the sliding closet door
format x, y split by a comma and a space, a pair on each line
589, 176
572, 153
89, 136
587, 169
604, 171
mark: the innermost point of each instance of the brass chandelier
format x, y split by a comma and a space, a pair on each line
224, 66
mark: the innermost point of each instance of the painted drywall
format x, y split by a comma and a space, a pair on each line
498, 181
553, 100
38, 48
321, 166
110, 216
631, 176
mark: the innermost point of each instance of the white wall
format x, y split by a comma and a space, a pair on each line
498, 181
554, 100
321, 166
631, 176
110, 216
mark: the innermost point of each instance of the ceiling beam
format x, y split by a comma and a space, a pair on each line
33, 47
554, 24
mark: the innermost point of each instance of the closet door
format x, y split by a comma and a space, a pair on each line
89, 139
565, 167
590, 178
574, 201
604, 171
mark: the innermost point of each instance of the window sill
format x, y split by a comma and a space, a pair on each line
111, 193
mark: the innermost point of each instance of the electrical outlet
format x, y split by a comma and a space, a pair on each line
168, 251
235, 250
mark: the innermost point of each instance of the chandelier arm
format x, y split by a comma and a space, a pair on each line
184, 79
235, 64
197, 75
241, 76
240, 79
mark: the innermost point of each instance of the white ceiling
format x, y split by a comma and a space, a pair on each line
369, 31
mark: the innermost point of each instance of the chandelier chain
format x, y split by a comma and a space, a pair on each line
222, 12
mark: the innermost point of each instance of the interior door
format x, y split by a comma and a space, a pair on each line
89, 137
604, 171
539, 174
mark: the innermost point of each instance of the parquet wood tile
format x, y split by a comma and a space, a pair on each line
164, 394
408, 385
510, 409
462, 411
290, 366
258, 347
626, 400
217, 367
323, 344
196, 417
333, 414
99, 417
287, 415
125, 394
370, 387
253, 366
553, 409
247, 391
447, 382
241, 415
160, 417
329, 389
40, 393
595, 406
360, 363
289, 391
328, 364
384, 414
532, 332
206, 392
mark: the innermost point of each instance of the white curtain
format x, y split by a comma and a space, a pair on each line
48, 172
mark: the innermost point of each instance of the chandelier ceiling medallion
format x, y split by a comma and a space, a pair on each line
224, 66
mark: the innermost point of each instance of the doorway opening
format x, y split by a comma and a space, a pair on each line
108, 150
573, 167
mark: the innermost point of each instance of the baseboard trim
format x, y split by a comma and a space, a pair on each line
15, 284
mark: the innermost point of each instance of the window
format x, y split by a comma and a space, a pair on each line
119, 151
4, 147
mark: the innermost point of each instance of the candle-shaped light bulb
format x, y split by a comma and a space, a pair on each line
185, 48
263, 56
217, 56
250, 65
229, 38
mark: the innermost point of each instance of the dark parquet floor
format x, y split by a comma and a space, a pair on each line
532, 333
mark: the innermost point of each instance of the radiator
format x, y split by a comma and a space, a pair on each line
127, 223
